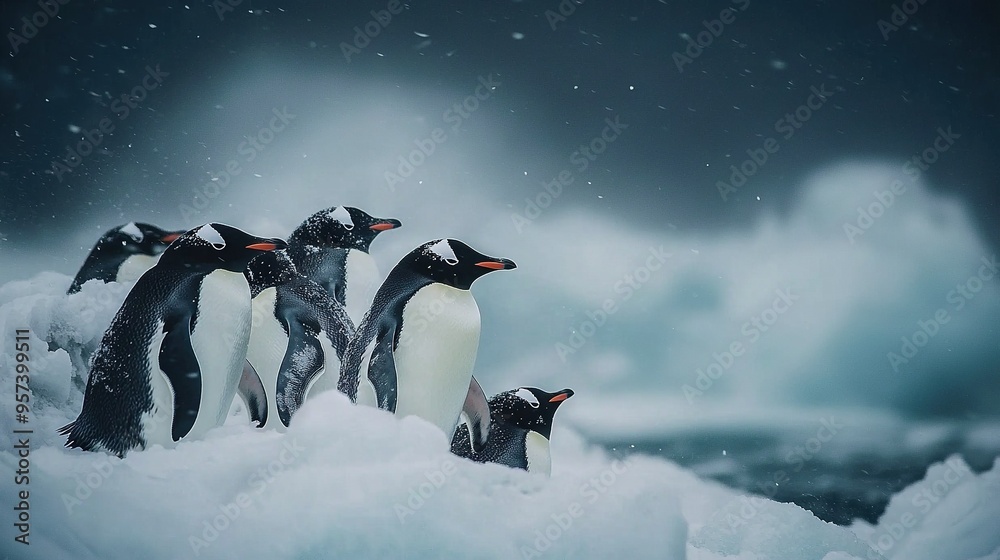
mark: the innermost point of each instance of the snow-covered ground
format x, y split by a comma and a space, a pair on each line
354, 482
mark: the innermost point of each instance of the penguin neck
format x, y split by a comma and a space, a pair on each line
398, 288
537, 453
101, 264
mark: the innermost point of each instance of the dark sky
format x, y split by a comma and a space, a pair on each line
607, 58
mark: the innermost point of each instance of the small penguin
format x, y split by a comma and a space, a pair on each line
123, 254
415, 348
169, 364
520, 428
331, 248
298, 337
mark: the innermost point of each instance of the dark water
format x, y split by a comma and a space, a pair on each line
836, 489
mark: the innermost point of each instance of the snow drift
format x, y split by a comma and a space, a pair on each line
354, 482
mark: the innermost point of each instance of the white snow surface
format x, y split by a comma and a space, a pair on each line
348, 481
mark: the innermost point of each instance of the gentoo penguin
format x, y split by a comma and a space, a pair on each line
415, 348
520, 427
298, 337
331, 248
168, 366
123, 254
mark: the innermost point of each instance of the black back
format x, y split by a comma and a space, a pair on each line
304, 308
269, 270
300, 299
447, 261
512, 415
118, 392
116, 246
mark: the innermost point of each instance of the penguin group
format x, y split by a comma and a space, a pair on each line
215, 313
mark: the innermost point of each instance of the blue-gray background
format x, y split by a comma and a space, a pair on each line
891, 91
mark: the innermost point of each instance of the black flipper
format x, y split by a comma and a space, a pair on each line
178, 362
477, 413
304, 360
251, 390
382, 370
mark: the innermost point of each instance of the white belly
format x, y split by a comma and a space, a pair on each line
220, 342
539, 454
362, 278
268, 343
330, 375
134, 266
366, 392
436, 354
156, 425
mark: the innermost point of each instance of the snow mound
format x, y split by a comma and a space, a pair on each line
352, 482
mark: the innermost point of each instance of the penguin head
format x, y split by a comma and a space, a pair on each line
343, 227
528, 408
269, 269
453, 263
136, 238
213, 246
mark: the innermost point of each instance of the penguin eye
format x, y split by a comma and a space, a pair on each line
452, 262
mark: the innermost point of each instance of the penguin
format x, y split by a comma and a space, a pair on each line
415, 348
298, 337
169, 364
331, 248
123, 254
520, 428
120, 255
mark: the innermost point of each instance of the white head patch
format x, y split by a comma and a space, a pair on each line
443, 249
133, 231
343, 216
527, 396
208, 233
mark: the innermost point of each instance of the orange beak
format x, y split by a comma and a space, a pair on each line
562, 395
169, 238
491, 265
262, 246
382, 227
